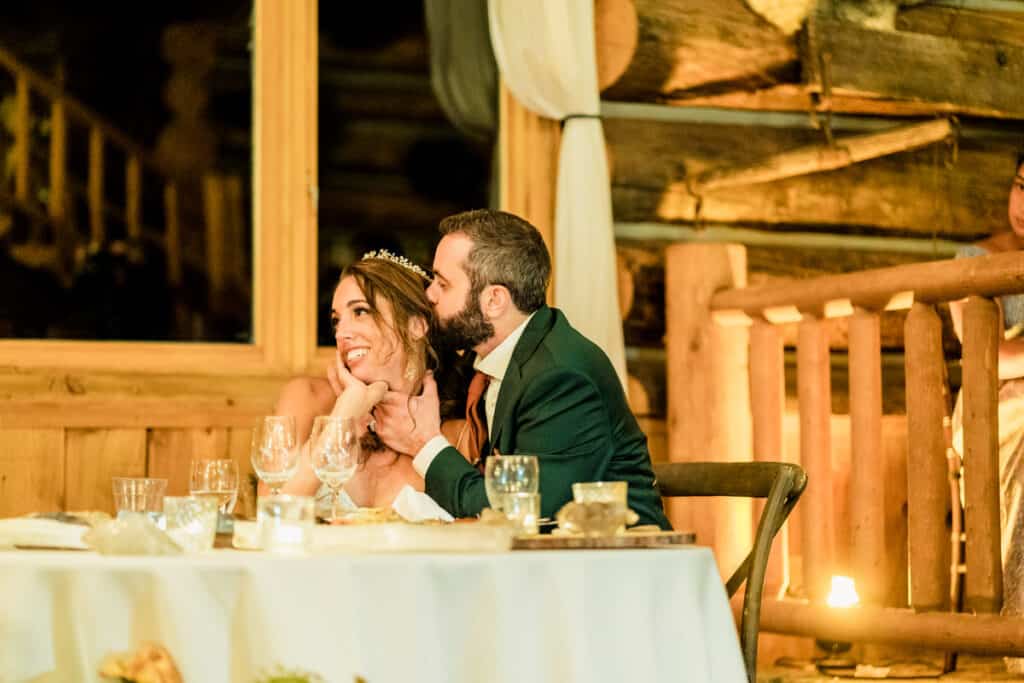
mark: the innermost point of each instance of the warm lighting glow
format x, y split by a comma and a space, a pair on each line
843, 593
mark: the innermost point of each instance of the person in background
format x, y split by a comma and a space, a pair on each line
1011, 405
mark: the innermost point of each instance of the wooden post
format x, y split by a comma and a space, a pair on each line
235, 253
58, 161
529, 167
213, 212
983, 590
927, 490
96, 226
133, 197
172, 234
22, 138
767, 403
708, 396
814, 391
867, 479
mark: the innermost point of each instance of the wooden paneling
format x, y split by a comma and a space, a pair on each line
171, 451
94, 456
31, 471
239, 443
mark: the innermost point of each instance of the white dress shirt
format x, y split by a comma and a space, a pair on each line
494, 365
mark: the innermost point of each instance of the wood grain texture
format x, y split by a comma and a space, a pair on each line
94, 457
31, 471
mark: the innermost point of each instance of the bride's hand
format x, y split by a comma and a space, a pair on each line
355, 398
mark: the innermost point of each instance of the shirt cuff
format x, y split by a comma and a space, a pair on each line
430, 450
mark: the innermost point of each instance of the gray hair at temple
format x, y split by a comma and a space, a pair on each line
506, 251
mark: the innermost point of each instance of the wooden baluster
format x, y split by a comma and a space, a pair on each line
96, 224
213, 211
983, 590
58, 161
172, 234
927, 488
767, 403
867, 477
814, 391
133, 197
22, 138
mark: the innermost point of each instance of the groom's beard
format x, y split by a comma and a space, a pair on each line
467, 328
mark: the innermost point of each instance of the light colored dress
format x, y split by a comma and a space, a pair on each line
1011, 462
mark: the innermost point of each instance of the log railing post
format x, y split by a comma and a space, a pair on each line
172, 234
983, 591
97, 229
22, 137
133, 197
927, 491
213, 213
817, 536
867, 476
767, 404
708, 390
58, 161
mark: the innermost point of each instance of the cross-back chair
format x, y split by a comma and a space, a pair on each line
780, 483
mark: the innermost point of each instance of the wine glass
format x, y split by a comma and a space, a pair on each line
274, 454
508, 474
334, 450
216, 480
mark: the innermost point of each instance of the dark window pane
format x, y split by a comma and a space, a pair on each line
151, 237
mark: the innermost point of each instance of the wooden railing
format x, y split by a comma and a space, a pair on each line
710, 324
217, 190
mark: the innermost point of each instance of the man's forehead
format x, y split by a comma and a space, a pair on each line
451, 253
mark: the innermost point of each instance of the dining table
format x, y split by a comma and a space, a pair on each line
649, 614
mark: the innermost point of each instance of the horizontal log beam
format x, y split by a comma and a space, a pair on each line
978, 634
978, 77
893, 288
817, 158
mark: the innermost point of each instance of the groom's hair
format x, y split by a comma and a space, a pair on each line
506, 251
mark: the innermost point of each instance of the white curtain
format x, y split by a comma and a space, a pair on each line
545, 52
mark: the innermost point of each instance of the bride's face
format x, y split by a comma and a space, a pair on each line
369, 346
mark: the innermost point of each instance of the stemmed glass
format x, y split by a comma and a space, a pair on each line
216, 480
274, 454
335, 452
509, 474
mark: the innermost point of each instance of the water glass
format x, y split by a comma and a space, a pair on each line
191, 522
140, 495
507, 474
285, 524
274, 454
334, 451
216, 480
600, 492
523, 509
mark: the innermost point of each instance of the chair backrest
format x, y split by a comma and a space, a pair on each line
781, 483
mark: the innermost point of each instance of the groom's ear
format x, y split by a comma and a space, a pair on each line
494, 301
417, 327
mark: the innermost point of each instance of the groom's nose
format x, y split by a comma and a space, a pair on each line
432, 292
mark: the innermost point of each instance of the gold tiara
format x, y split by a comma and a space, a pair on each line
395, 258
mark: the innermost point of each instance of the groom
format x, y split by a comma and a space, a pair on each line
546, 389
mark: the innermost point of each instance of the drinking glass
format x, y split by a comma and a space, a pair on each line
142, 495
334, 450
191, 521
215, 480
274, 454
285, 524
507, 474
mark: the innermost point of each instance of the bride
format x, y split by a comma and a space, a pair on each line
383, 326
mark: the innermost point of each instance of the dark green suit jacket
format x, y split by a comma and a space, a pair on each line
561, 401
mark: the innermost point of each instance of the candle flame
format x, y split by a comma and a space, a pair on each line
843, 593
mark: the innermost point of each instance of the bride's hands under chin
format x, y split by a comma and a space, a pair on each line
355, 398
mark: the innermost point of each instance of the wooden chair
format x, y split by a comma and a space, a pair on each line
781, 483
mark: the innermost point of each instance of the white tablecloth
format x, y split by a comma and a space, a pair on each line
625, 615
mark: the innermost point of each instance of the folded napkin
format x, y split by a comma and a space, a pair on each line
414, 506
41, 533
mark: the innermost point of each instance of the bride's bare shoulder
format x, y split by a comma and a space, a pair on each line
307, 392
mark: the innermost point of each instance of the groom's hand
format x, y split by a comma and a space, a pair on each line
406, 423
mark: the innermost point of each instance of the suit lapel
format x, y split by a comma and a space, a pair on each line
511, 384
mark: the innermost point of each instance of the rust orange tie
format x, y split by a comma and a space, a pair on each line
474, 434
